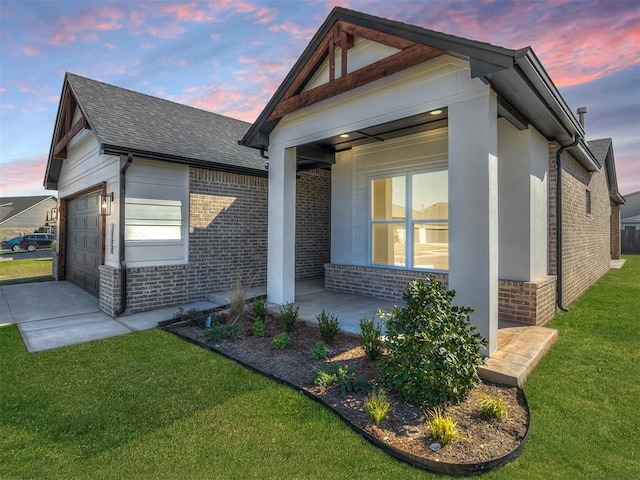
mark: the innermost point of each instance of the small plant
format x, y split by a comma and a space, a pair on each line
492, 407
370, 338
238, 303
259, 309
281, 341
193, 316
219, 332
343, 376
289, 314
319, 351
377, 406
258, 328
328, 325
442, 428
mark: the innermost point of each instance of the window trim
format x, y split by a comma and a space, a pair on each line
408, 221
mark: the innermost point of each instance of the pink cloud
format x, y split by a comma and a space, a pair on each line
86, 22
31, 51
186, 12
295, 31
215, 36
110, 46
23, 176
168, 30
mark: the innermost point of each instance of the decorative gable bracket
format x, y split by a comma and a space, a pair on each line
65, 131
342, 35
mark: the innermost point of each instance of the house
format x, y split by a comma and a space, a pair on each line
158, 203
444, 155
19, 215
630, 212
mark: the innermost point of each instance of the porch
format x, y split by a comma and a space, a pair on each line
520, 347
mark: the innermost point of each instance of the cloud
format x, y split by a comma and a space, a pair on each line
31, 51
186, 12
87, 21
294, 30
22, 176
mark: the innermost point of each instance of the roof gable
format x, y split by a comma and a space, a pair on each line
13, 206
602, 150
125, 121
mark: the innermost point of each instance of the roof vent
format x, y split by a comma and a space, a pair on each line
582, 111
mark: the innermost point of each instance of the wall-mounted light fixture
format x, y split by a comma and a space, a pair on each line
105, 203
53, 214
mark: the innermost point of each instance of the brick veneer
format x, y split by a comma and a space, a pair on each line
615, 232
527, 302
586, 245
227, 242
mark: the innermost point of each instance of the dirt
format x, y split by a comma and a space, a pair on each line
479, 439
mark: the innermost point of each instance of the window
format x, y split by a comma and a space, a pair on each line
150, 219
588, 202
409, 220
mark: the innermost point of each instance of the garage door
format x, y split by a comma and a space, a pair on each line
84, 242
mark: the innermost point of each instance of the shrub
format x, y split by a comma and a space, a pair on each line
289, 314
238, 303
219, 332
319, 351
258, 328
259, 309
492, 407
442, 428
281, 341
328, 325
193, 316
377, 406
343, 376
432, 349
370, 338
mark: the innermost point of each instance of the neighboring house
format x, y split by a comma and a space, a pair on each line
19, 215
630, 212
158, 200
443, 154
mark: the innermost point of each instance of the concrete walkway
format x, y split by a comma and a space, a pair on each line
58, 314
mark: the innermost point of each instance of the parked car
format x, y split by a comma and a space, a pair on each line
11, 244
36, 240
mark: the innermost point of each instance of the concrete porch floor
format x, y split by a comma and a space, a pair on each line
520, 347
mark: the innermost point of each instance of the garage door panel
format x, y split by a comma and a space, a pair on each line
84, 242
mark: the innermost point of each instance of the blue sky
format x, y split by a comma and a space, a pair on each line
229, 56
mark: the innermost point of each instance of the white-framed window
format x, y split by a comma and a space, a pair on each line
151, 219
409, 220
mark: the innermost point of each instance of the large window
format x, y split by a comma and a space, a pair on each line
409, 224
151, 219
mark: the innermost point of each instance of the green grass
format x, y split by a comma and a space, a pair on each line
31, 267
148, 405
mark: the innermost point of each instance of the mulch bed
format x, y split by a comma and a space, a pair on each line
479, 439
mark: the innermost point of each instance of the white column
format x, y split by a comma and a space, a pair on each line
282, 226
473, 211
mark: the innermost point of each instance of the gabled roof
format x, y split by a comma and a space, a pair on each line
602, 149
525, 91
125, 121
13, 206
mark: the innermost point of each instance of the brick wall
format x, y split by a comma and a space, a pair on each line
615, 232
227, 242
532, 302
313, 223
586, 246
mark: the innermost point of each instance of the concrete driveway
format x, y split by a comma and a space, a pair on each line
57, 314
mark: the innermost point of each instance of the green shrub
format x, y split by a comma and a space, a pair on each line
343, 376
377, 406
281, 341
492, 407
193, 316
258, 328
432, 349
319, 351
442, 428
371, 338
328, 325
289, 314
259, 309
219, 332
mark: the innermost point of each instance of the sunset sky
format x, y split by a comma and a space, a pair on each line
229, 56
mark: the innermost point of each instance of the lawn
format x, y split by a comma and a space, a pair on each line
31, 267
148, 405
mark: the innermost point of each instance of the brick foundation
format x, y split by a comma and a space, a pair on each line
533, 303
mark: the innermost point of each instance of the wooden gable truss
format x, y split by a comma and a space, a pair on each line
65, 130
342, 36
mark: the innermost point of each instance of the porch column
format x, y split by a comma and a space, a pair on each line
473, 211
282, 226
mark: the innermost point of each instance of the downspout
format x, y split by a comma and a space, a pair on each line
559, 221
121, 249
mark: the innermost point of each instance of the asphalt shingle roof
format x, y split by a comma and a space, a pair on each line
12, 206
600, 148
137, 122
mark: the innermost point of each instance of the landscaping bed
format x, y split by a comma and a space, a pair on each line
481, 443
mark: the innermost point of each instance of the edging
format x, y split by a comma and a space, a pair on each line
461, 469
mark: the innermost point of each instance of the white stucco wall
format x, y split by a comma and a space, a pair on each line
523, 206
